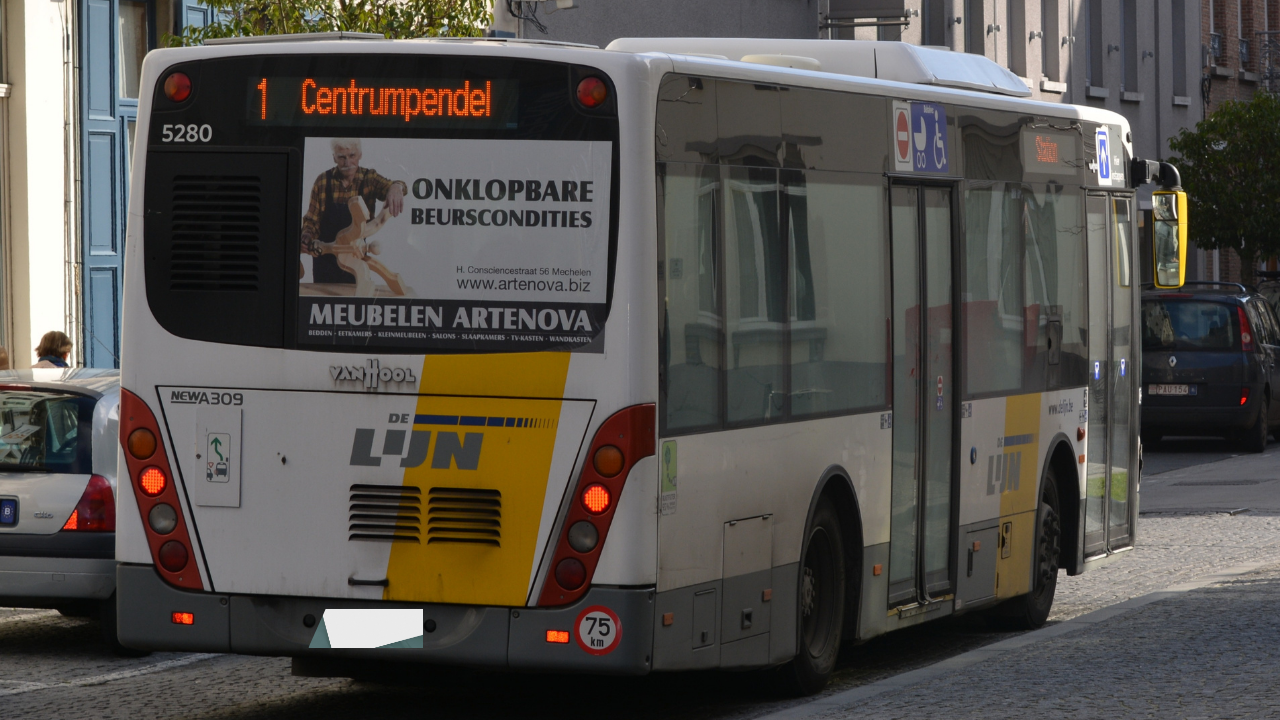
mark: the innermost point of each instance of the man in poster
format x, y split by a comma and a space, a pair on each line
329, 212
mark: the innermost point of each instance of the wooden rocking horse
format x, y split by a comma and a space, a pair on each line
355, 252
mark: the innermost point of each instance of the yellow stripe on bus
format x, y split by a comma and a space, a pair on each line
1018, 504
479, 527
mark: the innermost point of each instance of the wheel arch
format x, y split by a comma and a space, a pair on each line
835, 484
1066, 467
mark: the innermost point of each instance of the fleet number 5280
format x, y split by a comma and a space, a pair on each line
186, 133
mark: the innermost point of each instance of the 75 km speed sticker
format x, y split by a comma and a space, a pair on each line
599, 630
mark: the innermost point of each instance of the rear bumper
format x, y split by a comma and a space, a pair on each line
1199, 421
39, 580
493, 637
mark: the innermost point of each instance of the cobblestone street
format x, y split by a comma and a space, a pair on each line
1208, 652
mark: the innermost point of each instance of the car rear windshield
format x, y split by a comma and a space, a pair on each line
1189, 325
42, 431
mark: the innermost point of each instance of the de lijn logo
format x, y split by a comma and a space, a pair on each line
450, 449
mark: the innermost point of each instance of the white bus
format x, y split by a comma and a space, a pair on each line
679, 354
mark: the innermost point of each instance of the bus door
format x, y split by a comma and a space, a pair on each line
924, 415
1114, 375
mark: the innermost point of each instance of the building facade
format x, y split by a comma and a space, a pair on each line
70, 72
1240, 55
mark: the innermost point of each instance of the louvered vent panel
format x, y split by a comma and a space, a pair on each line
216, 231
464, 515
387, 513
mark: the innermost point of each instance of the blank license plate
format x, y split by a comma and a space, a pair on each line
1171, 390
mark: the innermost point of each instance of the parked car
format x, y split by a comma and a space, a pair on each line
58, 449
1269, 288
1209, 353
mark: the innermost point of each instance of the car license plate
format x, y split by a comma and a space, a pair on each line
1170, 389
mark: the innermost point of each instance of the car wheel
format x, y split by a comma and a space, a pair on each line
822, 603
107, 617
1030, 611
1254, 439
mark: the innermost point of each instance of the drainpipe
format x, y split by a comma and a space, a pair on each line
72, 270
6, 202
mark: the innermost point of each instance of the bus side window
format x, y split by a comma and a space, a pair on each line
839, 294
692, 323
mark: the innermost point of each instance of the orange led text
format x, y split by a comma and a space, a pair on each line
465, 101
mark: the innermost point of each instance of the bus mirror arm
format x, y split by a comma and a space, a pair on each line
1164, 174
1169, 177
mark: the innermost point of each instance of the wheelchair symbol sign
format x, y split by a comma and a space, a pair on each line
928, 138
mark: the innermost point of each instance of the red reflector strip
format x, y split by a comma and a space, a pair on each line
558, 636
72, 521
181, 618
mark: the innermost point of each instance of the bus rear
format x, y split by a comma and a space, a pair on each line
375, 381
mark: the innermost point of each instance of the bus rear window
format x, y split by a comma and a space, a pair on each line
1189, 325
412, 204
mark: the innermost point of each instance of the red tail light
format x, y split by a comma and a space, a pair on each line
592, 92
1244, 395
1246, 333
96, 511
619, 444
151, 477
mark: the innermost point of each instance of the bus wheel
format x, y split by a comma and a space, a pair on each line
1030, 611
821, 602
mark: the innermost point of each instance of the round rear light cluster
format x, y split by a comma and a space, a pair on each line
596, 498
177, 87
142, 443
583, 536
570, 573
592, 92
173, 556
608, 461
152, 481
163, 518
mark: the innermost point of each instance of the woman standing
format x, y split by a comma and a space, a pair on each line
53, 350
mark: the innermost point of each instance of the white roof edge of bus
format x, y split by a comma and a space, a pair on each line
884, 60
513, 41
295, 37
685, 62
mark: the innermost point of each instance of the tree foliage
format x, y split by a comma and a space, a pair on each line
395, 19
1230, 166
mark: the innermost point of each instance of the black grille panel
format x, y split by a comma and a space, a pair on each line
464, 515
386, 513
216, 233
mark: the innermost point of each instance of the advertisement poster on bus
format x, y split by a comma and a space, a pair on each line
433, 244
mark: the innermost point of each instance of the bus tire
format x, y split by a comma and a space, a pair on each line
820, 603
1030, 611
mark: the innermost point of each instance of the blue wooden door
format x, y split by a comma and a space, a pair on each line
115, 35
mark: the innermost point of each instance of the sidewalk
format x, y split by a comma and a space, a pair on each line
1212, 652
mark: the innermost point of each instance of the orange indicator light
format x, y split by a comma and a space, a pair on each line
181, 618
608, 461
596, 498
72, 521
558, 636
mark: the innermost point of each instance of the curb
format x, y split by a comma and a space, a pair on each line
847, 699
